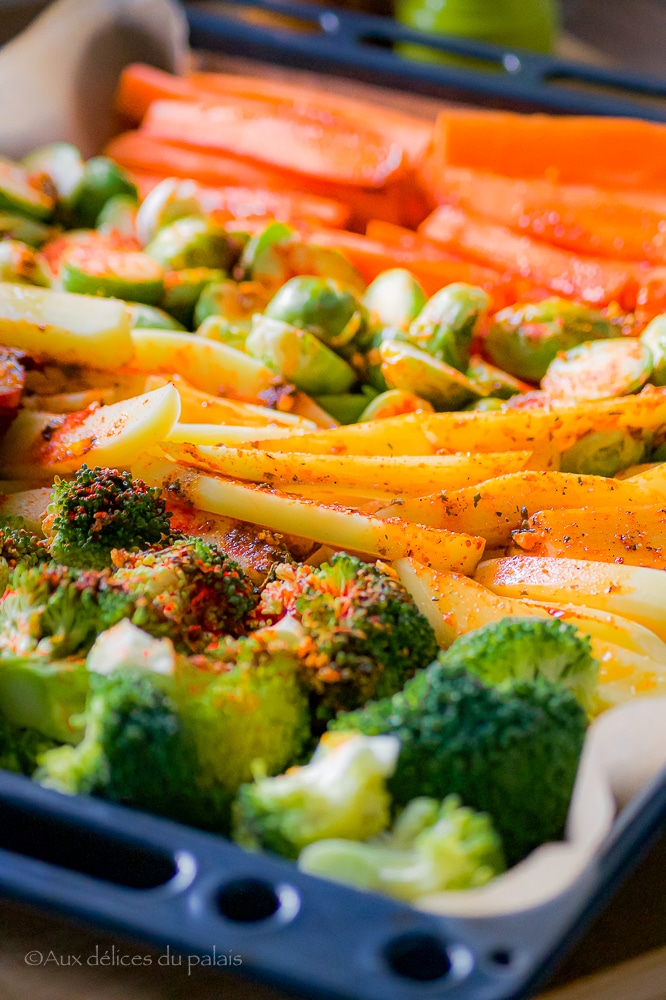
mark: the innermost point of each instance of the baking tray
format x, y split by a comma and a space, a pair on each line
366, 47
170, 885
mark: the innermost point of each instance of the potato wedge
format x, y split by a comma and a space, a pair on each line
393, 436
564, 423
335, 526
69, 329
228, 435
199, 407
208, 365
108, 435
631, 591
604, 534
30, 505
407, 475
499, 506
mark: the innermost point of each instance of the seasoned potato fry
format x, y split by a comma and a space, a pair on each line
335, 526
69, 329
605, 534
392, 436
632, 591
208, 365
565, 423
110, 435
499, 506
406, 474
229, 435
630, 656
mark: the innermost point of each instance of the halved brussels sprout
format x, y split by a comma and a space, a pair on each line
526, 337
654, 337
605, 453
192, 242
17, 194
151, 318
394, 298
406, 367
61, 163
183, 288
493, 380
394, 402
30, 231
601, 369
486, 405
277, 254
234, 301
100, 181
118, 216
170, 200
372, 360
219, 329
299, 357
323, 306
445, 326
20, 263
346, 407
115, 274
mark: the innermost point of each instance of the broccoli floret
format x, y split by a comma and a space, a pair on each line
528, 648
136, 751
362, 634
340, 793
18, 545
190, 591
178, 736
433, 847
54, 610
44, 695
101, 510
510, 750
21, 748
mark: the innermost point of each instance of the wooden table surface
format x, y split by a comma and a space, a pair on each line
622, 957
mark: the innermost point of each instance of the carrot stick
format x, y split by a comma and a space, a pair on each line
582, 218
140, 85
586, 278
399, 202
607, 152
339, 152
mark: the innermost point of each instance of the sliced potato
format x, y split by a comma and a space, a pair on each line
30, 505
393, 436
63, 327
631, 591
229, 435
335, 526
108, 435
208, 365
499, 506
406, 474
604, 534
564, 422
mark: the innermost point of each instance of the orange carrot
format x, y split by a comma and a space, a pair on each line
574, 276
339, 151
398, 202
607, 152
140, 85
582, 218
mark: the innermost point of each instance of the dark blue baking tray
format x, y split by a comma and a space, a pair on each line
168, 884
366, 47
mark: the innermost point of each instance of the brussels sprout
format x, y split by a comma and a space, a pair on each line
101, 180
445, 326
149, 317
298, 357
183, 288
170, 200
599, 370
654, 337
493, 380
324, 307
486, 405
406, 367
115, 274
659, 454
346, 407
219, 329
118, 216
30, 231
394, 402
20, 263
604, 453
192, 242
236, 302
524, 338
394, 298
61, 162
373, 361
276, 255
17, 194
